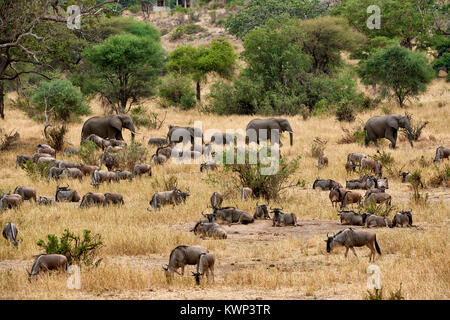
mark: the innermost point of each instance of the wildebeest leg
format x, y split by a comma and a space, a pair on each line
372, 251
354, 252
346, 251
182, 270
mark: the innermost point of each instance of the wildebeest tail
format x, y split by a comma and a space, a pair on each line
376, 246
314, 184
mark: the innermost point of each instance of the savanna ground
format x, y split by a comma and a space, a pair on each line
257, 260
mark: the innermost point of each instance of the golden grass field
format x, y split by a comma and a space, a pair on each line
257, 260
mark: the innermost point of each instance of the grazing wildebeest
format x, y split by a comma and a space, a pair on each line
113, 198
216, 200
123, 175
441, 153
372, 165
336, 195
99, 141
159, 159
205, 265
91, 199
37, 156
326, 184
352, 218
167, 150
322, 161
355, 158
116, 143
140, 169
66, 194
74, 173
181, 256
45, 201
27, 193
54, 173
87, 170
21, 159
50, 161
157, 141
46, 262
261, 212
365, 182
9, 201
402, 219
67, 164
232, 215
109, 160
99, 176
350, 166
70, 151
173, 197
350, 238
350, 197
374, 221
208, 166
10, 233
209, 229
246, 193
279, 218
378, 197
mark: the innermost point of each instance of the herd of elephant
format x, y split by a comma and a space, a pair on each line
107, 133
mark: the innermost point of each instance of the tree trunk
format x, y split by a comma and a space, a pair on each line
2, 100
198, 90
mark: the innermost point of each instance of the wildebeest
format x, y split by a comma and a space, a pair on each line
43, 148
182, 256
322, 161
91, 199
50, 161
37, 156
21, 159
373, 165
99, 176
66, 194
46, 262
109, 160
140, 169
10, 233
350, 238
123, 175
209, 229
157, 141
209, 165
374, 221
216, 200
246, 193
350, 197
382, 183
99, 141
45, 201
27, 193
336, 195
365, 182
355, 158
67, 164
70, 151
281, 218
159, 159
350, 166
326, 184
87, 170
205, 265
406, 176
261, 212
232, 215
173, 197
167, 150
349, 217
54, 173
74, 173
441, 153
219, 138
113, 198
378, 197
402, 219
9, 201
116, 143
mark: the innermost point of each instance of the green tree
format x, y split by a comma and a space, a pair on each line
123, 69
197, 63
401, 72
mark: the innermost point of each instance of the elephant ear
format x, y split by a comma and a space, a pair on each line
116, 123
392, 122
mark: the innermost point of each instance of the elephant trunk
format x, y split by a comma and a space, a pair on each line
291, 137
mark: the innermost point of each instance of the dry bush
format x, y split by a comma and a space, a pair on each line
8, 140
416, 127
318, 148
441, 177
55, 137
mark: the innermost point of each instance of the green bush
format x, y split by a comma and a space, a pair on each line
135, 8
177, 91
77, 249
89, 153
131, 155
36, 171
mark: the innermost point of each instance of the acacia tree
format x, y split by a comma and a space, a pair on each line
31, 36
219, 57
402, 71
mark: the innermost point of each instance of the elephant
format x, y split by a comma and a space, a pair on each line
176, 134
386, 127
279, 124
108, 127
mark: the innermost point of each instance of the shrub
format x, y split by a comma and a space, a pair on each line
345, 112
415, 181
177, 91
318, 148
55, 137
89, 153
442, 177
8, 140
135, 8
416, 127
131, 155
77, 249
36, 171
171, 183
357, 136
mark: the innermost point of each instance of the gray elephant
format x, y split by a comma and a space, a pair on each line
386, 127
176, 134
108, 127
279, 124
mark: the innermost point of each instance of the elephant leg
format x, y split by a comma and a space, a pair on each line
391, 135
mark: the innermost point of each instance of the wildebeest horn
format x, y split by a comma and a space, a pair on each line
327, 234
29, 273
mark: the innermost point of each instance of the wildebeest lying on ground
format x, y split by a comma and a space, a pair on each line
46, 262
231, 215
326, 184
402, 219
9, 201
66, 194
352, 218
45, 201
350, 238
27, 193
441, 153
173, 197
261, 212
182, 256
373, 221
209, 165
281, 218
90, 199
205, 265
157, 141
209, 229
44, 148
10, 233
